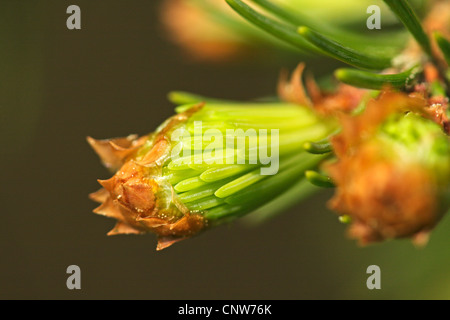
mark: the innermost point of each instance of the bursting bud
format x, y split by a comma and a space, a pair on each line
209, 164
393, 170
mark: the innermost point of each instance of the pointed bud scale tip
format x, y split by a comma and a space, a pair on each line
293, 90
108, 209
99, 196
122, 228
113, 152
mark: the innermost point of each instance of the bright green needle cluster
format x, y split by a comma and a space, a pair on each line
415, 139
224, 183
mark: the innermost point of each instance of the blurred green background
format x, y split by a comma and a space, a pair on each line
111, 79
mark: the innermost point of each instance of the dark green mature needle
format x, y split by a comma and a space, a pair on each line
343, 53
296, 19
408, 17
444, 45
318, 147
369, 80
318, 179
283, 32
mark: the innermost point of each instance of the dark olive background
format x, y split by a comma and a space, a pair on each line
111, 79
